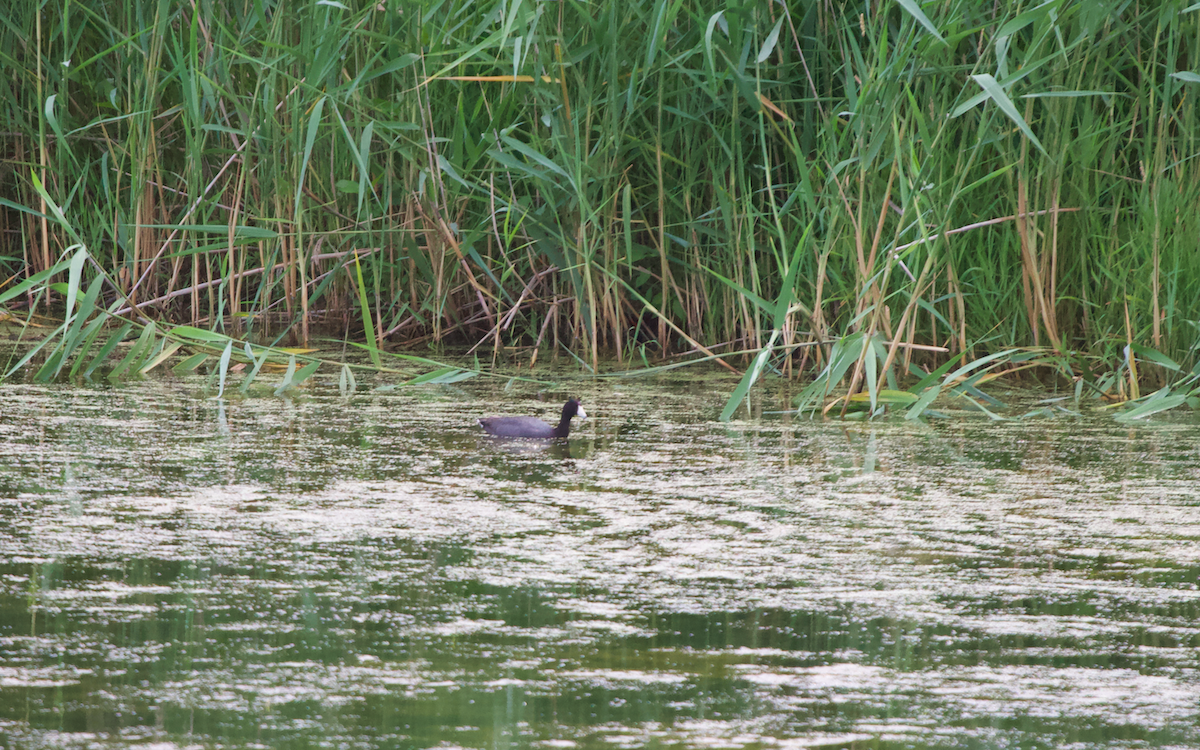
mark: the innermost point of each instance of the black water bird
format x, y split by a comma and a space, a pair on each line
531, 427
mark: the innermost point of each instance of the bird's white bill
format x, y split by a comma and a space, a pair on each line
581, 413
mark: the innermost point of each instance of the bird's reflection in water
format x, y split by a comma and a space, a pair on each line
557, 449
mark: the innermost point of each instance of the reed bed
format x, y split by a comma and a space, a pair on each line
776, 184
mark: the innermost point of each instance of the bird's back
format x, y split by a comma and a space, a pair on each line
530, 427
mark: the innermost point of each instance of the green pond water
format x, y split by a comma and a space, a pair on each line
183, 572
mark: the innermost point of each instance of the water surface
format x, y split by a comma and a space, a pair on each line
180, 571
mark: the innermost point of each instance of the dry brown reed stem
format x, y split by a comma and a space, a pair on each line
1036, 290
908, 315
240, 275
1134, 390
235, 284
697, 345
917, 347
302, 267
664, 320
978, 224
551, 314
447, 236
885, 204
817, 319
960, 307
1054, 245
1155, 246
512, 313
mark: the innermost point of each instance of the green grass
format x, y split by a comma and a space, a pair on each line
619, 180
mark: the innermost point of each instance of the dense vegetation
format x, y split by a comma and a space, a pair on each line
853, 191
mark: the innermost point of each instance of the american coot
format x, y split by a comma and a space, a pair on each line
529, 427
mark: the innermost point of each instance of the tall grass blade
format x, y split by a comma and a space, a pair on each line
191, 362
258, 365
223, 367
748, 380
914, 10
346, 382
137, 354
101, 357
997, 95
443, 376
365, 310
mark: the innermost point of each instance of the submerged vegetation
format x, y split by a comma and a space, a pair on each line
855, 193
